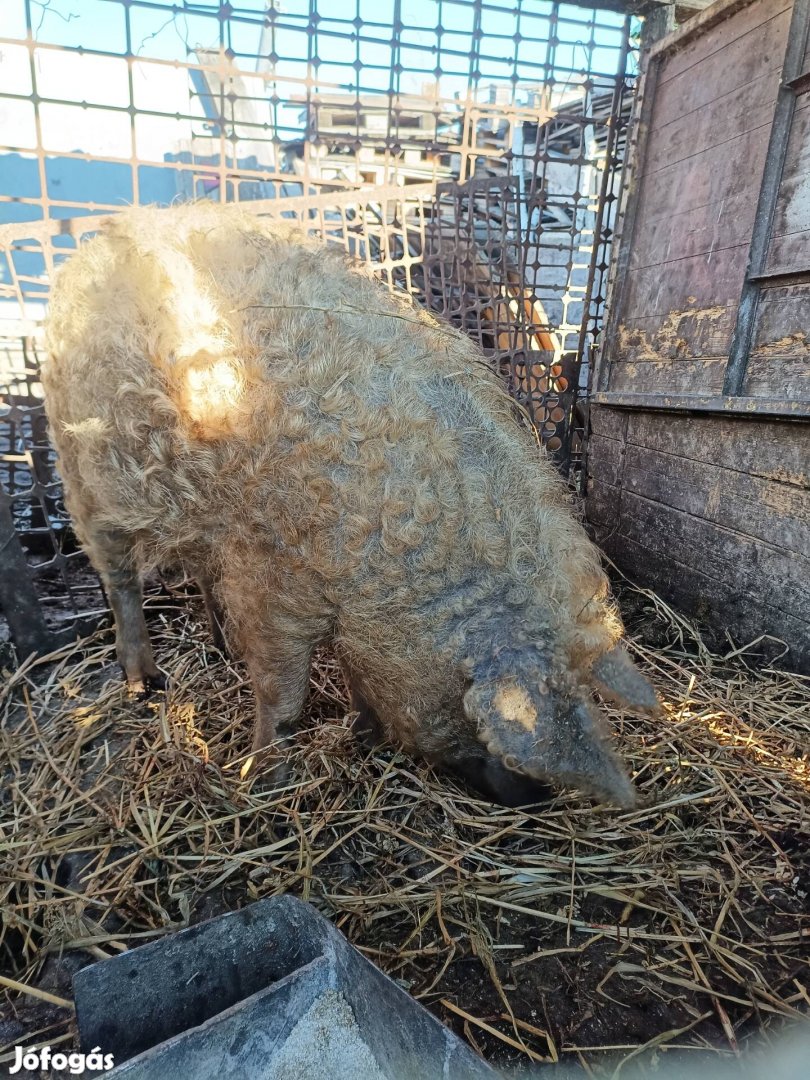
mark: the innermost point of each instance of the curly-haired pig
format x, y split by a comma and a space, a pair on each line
344, 468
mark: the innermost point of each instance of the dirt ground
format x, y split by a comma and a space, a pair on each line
565, 933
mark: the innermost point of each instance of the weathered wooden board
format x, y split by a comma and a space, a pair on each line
783, 320
669, 376
744, 23
789, 248
679, 335
789, 253
710, 600
712, 512
696, 199
737, 62
602, 508
779, 362
698, 230
703, 282
778, 514
606, 460
772, 450
750, 567
787, 378
716, 470
736, 110
609, 423
720, 172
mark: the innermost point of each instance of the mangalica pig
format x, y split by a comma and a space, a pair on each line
339, 467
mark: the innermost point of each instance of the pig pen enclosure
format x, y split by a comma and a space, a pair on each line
472, 152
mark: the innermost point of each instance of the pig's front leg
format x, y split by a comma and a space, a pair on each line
279, 670
277, 648
132, 644
213, 611
367, 726
112, 555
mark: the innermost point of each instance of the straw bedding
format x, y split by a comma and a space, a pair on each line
568, 933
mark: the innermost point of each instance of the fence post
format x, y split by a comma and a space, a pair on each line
18, 598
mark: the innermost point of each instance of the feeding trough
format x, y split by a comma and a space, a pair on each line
264, 991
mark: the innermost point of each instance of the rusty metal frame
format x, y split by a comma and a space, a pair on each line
622, 248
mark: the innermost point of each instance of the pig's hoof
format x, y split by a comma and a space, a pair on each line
280, 774
139, 686
157, 681
277, 774
273, 778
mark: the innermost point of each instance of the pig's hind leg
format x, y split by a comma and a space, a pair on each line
112, 555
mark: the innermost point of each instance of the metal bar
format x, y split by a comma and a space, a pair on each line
726, 406
768, 196
598, 243
623, 242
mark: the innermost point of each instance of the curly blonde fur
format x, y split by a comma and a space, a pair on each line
230, 393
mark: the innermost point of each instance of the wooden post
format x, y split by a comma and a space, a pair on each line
18, 599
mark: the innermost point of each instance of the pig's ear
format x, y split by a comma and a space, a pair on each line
620, 682
560, 741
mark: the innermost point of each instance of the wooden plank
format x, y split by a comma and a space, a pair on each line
606, 459
701, 282
778, 514
716, 405
608, 423
720, 172
779, 362
696, 593
705, 35
674, 376
789, 247
726, 67
627, 212
602, 505
782, 324
750, 567
786, 377
689, 9
679, 335
768, 449
789, 253
695, 230
767, 200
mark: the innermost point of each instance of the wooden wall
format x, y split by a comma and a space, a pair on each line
699, 469
712, 512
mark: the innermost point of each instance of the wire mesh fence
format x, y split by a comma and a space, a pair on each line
470, 151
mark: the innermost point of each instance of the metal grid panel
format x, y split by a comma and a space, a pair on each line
469, 149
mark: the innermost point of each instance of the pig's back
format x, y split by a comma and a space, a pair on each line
216, 378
